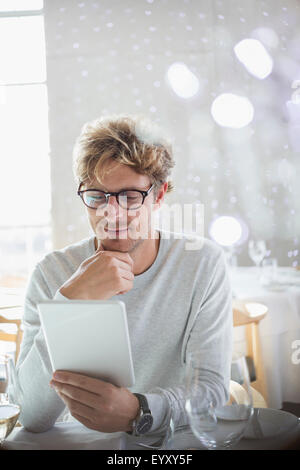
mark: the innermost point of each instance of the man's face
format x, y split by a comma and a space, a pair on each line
135, 224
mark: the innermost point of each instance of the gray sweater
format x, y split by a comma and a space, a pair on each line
183, 302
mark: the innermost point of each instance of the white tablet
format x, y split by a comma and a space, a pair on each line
89, 337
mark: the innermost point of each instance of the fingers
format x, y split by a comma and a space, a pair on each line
126, 274
78, 408
77, 394
82, 381
124, 257
96, 404
122, 264
87, 407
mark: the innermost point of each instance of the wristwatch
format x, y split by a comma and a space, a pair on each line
143, 423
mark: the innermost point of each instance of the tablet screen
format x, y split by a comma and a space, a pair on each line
89, 337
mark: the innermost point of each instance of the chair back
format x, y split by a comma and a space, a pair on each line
249, 314
6, 333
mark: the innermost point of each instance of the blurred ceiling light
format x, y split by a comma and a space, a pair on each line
253, 55
230, 110
226, 230
266, 36
183, 82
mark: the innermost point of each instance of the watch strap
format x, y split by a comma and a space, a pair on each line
143, 403
144, 409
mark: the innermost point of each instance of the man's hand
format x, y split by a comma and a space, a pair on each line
97, 404
100, 277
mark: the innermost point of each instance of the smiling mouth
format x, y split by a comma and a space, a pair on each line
117, 230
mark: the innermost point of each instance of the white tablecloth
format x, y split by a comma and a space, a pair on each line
279, 330
75, 436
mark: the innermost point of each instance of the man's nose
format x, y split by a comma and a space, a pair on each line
112, 200
113, 207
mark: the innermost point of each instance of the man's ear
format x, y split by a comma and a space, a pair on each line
159, 199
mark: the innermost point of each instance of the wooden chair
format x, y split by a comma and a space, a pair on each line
6, 335
249, 315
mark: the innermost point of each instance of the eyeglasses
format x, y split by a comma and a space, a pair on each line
127, 199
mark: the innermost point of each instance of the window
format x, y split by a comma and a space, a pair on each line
25, 194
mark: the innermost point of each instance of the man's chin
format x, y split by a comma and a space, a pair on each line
120, 244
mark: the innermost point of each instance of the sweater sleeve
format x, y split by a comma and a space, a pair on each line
40, 405
211, 335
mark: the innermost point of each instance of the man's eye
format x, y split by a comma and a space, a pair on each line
130, 195
95, 198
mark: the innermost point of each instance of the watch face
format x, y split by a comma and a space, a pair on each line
145, 423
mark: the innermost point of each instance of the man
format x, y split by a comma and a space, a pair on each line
177, 300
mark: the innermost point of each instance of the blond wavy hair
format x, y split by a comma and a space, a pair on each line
134, 141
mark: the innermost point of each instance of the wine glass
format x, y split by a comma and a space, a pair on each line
257, 251
217, 426
9, 412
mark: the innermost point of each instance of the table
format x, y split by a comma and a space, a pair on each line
75, 436
279, 330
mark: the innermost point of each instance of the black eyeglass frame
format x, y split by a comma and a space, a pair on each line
107, 195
